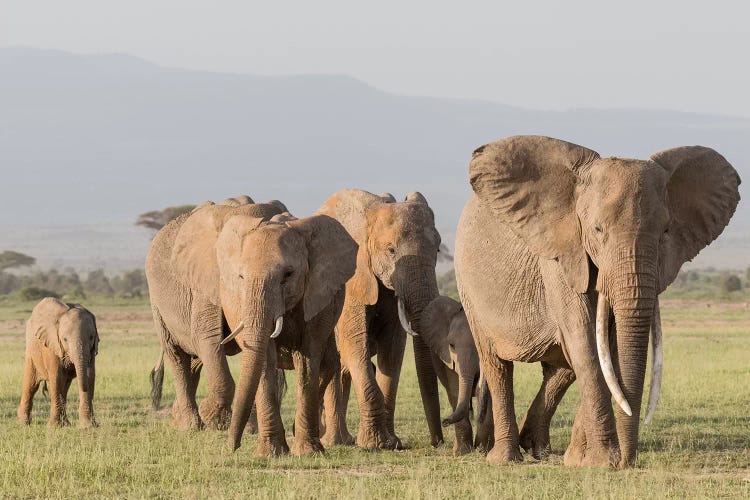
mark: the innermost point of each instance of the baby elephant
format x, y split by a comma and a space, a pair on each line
61, 343
446, 332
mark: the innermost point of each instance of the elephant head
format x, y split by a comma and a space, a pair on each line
621, 226
69, 330
398, 246
445, 330
257, 270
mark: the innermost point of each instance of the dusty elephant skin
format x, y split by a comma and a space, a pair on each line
61, 344
398, 246
249, 278
446, 332
560, 252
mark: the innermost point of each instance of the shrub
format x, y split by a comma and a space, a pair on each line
35, 293
731, 283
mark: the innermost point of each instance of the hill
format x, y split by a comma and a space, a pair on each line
97, 139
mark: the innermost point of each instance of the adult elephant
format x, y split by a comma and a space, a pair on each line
555, 243
394, 281
228, 268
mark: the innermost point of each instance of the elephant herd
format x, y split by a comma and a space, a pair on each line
560, 258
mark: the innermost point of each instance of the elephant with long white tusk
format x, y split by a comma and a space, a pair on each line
561, 256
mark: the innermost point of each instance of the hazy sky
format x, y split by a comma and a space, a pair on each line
682, 55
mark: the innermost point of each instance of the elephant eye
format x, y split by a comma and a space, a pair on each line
452, 346
391, 250
598, 228
242, 276
287, 274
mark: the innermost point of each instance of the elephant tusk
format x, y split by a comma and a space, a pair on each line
656, 364
279, 326
605, 360
402, 318
234, 333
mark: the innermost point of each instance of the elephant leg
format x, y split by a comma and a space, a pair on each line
574, 314
335, 403
464, 438
352, 343
485, 437
577, 448
499, 375
184, 410
428, 390
58, 385
29, 387
391, 345
271, 436
307, 417
535, 425
206, 325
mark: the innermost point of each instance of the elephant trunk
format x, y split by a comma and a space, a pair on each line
417, 288
256, 328
633, 295
465, 389
84, 366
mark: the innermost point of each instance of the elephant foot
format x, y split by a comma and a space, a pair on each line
302, 447
214, 414
185, 419
537, 444
502, 453
339, 437
56, 422
87, 423
437, 440
576, 456
24, 418
462, 448
271, 447
370, 439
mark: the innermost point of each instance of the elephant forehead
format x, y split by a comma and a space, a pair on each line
402, 220
273, 240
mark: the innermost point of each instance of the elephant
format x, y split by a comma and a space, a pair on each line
61, 344
446, 332
560, 258
394, 281
229, 279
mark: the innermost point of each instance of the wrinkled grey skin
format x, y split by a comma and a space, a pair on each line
552, 230
61, 344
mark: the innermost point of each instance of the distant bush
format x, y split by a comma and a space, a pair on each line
447, 285
35, 293
67, 283
731, 283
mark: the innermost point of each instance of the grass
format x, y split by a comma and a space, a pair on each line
697, 446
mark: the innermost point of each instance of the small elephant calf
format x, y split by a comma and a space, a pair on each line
446, 332
61, 343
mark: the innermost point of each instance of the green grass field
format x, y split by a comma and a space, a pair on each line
697, 446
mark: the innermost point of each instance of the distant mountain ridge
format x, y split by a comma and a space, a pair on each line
96, 139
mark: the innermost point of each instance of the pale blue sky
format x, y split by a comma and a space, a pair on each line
683, 55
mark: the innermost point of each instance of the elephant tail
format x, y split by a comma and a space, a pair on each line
157, 382
45, 391
483, 398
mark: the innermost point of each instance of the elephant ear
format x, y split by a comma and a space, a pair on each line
529, 184
45, 321
331, 260
435, 325
194, 252
350, 207
702, 195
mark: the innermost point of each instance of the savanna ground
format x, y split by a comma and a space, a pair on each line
697, 446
